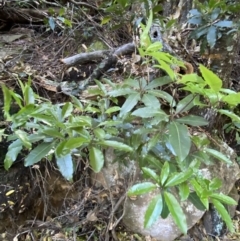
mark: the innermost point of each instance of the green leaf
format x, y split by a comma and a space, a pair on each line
158, 82
215, 184
76, 142
183, 191
176, 211
218, 155
144, 37
65, 165
223, 198
51, 23
121, 92
185, 104
23, 136
211, 79
153, 211
130, 103
224, 214
179, 140
199, 190
96, 159
141, 188
230, 114
195, 200
99, 133
152, 174
192, 120
39, 152
117, 145
148, 112
212, 36
232, 99
163, 95
7, 101
113, 109
224, 24
215, 13
178, 178
13, 151
166, 67
53, 132
151, 101
165, 210
77, 102
67, 110
29, 96
164, 173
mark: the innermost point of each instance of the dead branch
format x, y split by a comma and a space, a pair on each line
95, 56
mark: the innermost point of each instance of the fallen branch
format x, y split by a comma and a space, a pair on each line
106, 64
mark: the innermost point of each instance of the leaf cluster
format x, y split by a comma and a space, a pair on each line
152, 126
212, 19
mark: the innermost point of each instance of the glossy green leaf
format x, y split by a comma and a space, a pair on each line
113, 109
117, 145
179, 140
151, 101
77, 102
76, 142
224, 24
224, 214
212, 36
232, 99
200, 190
230, 114
141, 188
96, 159
185, 104
29, 96
148, 112
183, 191
158, 82
151, 173
192, 120
39, 152
153, 211
53, 132
164, 173
176, 211
67, 110
218, 155
13, 151
215, 13
121, 92
211, 79
179, 178
223, 198
165, 211
65, 165
163, 95
215, 184
99, 133
195, 200
130, 103
23, 136
144, 37
51, 23
7, 101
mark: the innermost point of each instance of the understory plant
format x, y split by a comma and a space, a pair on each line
153, 126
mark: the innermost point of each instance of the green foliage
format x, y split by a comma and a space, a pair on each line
152, 126
212, 20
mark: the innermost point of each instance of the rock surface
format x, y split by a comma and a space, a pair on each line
134, 210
